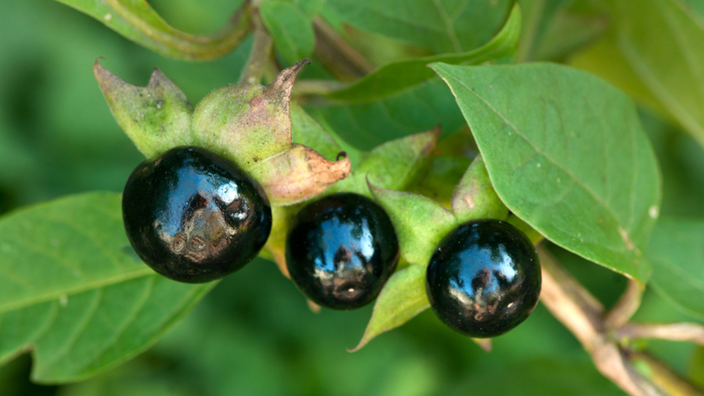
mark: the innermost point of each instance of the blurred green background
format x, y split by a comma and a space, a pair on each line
254, 334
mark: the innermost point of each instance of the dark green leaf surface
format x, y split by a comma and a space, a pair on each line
369, 124
73, 290
566, 153
677, 252
402, 298
290, 28
440, 25
138, 21
398, 76
662, 40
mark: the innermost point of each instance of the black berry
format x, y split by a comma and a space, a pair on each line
484, 278
193, 216
342, 250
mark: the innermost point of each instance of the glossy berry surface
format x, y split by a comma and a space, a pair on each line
484, 278
193, 216
342, 250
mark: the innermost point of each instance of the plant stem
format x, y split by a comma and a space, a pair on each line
316, 87
626, 306
690, 332
339, 58
262, 47
583, 315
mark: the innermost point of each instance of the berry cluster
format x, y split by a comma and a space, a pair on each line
195, 217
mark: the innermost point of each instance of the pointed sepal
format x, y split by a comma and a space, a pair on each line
420, 222
474, 196
246, 122
156, 117
298, 174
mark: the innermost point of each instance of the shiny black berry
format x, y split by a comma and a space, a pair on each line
484, 278
342, 250
194, 216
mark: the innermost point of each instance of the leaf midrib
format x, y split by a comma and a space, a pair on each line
55, 295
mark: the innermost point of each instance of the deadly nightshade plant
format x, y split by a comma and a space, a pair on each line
560, 154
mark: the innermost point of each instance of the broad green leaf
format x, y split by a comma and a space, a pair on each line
290, 28
369, 124
677, 252
662, 40
393, 165
137, 21
440, 25
310, 7
402, 298
156, 117
398, 76
420, 222
475, 198
73, 291
567, 154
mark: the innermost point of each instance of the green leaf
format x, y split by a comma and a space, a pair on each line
290, 28
475, 198
677, 252
441, 178
393, 165
73, 290
310, 7
440, 25
398, 76
369, 124
420, 222
156, 117
402, 298
566, 153
662, 40
137, 21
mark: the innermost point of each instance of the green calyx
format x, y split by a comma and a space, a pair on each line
246, 123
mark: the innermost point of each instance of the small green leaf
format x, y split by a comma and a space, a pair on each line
566, 153
398, 76
73, 290
137, 21
392, 165
402, 298
156, 117
290, 28
420, 222
677, 252
662, 40
440, 25
475, 198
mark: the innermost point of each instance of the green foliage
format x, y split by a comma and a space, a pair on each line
399, 76
443, 26
137, 21
540, 128
677, 254
290, 28
662, 41
75, 292
564, 151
